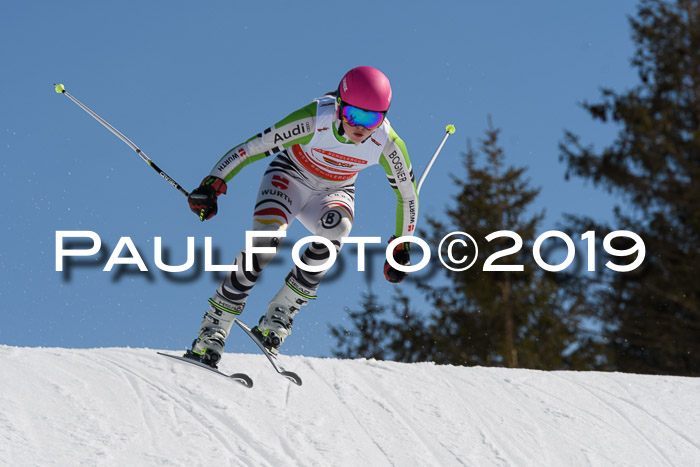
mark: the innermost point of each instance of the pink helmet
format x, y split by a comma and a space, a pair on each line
367, 88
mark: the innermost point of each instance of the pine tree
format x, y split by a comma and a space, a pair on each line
367, 338
382, 333
654, 313
513, 319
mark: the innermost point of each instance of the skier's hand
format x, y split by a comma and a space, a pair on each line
202, 200
402, 256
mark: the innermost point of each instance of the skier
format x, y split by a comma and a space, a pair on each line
319, 151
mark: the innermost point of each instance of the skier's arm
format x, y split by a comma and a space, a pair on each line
297, 128
399, 172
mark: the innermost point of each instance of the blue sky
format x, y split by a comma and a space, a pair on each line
186, 81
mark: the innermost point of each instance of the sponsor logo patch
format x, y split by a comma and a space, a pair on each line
397, 163
278, 194
337, 156
300, 129
331, 219
226, 162
280, 182
336, 163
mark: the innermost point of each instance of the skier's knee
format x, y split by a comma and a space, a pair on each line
334, 225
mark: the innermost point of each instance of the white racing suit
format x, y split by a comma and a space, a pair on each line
311, 179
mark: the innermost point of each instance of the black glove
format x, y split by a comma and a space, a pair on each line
202, 200
402, 256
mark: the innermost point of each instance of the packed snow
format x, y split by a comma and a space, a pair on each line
121, 406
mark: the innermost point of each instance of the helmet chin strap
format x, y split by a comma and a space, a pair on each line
341, 128
339, 122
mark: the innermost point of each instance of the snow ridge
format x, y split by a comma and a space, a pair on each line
122, 406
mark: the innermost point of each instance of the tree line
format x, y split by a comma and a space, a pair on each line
644, 321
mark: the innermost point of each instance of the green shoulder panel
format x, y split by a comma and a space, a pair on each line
304, 112
295, 128
400, 176
308, 112
401, 145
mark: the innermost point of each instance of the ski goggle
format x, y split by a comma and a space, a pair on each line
356, 116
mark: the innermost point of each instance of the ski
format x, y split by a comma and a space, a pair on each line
272, 358
240, 378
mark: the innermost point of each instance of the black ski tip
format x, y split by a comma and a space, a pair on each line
243, 379
291, 376
272, 358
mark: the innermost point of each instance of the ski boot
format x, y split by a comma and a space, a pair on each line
276, 324
208, 347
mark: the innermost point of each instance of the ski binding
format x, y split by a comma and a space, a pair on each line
272, 358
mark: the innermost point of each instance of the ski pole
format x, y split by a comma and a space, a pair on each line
62, 90
448, 131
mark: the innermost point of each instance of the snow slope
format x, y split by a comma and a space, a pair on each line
120, 407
